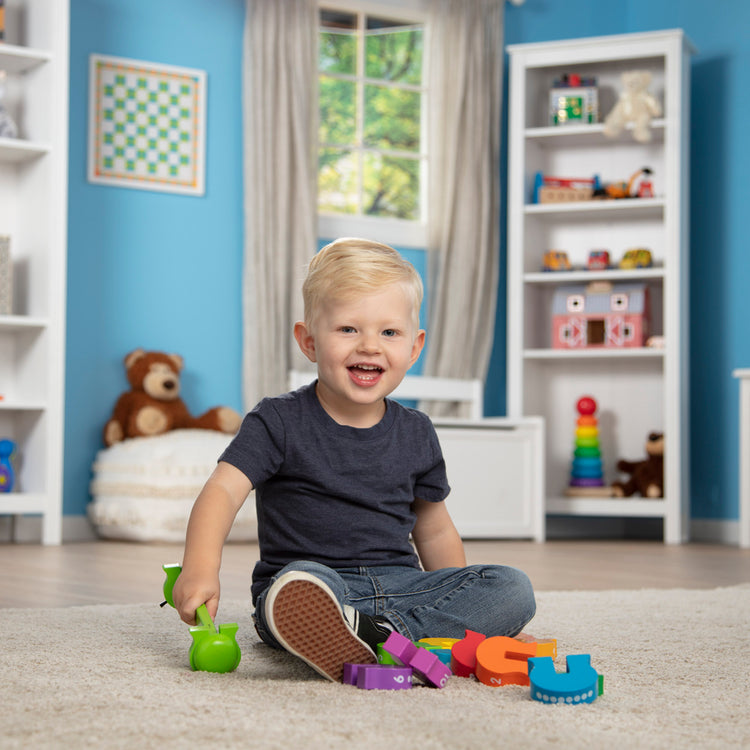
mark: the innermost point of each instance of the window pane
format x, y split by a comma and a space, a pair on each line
392, 118
338, 111
338, 20
391, 187
337, 181
394, 55
337, 53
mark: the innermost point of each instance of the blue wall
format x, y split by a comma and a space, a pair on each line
151, 269
159, 271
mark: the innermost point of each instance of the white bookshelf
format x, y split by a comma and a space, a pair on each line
33, 211
641, 389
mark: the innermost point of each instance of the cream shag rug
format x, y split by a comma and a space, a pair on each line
675, 666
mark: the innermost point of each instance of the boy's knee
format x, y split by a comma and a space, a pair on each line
305, 566
515, 592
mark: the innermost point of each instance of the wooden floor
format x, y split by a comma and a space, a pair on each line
124, 573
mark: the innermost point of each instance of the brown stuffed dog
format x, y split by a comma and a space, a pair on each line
646, 477
154, 406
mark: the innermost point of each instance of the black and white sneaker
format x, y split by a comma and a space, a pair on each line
372, 629
305, 617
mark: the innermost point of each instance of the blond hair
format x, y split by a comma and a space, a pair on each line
350, 267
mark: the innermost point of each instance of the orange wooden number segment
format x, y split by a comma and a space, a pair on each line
504, 661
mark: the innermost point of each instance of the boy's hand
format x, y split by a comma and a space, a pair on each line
190, 591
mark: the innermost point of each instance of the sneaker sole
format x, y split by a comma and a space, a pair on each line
306, 619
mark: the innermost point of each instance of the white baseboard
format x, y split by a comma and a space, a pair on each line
28, 529
702, 530
709, 531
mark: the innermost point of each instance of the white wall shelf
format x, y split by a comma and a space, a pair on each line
629, 208
17, 150
33, 213
638, 390
578, 354
22, 323
15, 59
606, 507
576, 277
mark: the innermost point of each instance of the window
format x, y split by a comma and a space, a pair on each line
576, 303
619, 302
372, 157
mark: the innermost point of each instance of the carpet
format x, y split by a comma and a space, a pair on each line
118, 677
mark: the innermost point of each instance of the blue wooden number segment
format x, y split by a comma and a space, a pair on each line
578, 684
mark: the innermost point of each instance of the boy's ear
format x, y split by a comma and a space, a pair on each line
417, 347
305, 340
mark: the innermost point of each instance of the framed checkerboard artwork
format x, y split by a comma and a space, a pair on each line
147, 125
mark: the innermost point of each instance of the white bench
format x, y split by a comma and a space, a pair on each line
495, 464
422, 388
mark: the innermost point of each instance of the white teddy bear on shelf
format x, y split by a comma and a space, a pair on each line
635, 105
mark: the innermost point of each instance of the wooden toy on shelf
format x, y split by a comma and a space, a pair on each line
586, 473
630, 188
556, 260
600, 315
598, 260
564, 189
636, 257
573, 100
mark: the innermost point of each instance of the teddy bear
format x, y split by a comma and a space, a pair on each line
635, 105
647, 476
153, 405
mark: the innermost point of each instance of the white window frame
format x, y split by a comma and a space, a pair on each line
391, 231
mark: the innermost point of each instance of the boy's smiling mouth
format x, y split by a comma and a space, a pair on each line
365, 373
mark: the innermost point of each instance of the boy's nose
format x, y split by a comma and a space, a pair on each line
369, 343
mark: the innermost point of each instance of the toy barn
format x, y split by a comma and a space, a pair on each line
600, 315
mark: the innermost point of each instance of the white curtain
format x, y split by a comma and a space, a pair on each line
280, 172
466, 64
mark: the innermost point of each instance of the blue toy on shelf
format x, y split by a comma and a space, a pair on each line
7, 477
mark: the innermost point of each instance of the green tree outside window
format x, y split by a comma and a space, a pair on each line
371, 159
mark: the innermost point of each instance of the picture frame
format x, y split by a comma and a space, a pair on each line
147, 125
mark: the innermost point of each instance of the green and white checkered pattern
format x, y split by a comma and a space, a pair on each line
147, 126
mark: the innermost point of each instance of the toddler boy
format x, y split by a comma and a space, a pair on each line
345, 480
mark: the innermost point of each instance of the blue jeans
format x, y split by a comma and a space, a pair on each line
488, 599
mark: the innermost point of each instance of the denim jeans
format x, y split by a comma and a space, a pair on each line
488, 599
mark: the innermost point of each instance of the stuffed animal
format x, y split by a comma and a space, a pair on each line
153, 405
647, 476
635, 105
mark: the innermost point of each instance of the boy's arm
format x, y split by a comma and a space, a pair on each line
210, 521
437, 541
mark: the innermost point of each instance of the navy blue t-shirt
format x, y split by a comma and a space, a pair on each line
335, 494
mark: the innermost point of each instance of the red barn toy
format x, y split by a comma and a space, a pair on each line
600, 315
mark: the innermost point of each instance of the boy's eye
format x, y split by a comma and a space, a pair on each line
347, 329
390, 332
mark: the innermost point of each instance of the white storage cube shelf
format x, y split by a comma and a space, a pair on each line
33, 213
641, 389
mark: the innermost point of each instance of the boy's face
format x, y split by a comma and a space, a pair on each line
363, 349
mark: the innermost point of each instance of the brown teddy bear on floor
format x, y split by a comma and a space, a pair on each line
154, 406
647, 477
